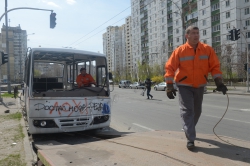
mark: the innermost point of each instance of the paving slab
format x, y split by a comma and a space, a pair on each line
147, 149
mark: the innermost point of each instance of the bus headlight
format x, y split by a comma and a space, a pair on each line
45, 123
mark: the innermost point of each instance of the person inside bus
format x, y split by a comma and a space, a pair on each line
84, 79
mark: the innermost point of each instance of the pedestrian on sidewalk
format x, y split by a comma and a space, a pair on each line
148, 84
189, 66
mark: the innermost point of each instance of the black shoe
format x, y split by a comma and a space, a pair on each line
151, 97
190, 145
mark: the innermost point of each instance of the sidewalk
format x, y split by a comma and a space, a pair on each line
8, 131
238, 90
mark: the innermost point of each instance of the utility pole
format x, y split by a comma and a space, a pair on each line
7, 47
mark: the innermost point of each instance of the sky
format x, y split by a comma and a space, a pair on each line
80, 23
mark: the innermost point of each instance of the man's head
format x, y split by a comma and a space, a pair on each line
83, 70
192, 35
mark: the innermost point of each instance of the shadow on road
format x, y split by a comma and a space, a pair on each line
224, 150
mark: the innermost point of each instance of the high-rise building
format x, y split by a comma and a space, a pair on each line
158, 27
128, 48
17, 52
117, 48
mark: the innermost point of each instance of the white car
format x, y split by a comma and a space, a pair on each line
162, 86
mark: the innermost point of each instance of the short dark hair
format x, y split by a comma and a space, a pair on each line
83, 68
191, 27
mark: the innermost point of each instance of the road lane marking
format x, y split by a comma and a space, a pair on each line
143, 127
228, 119
245, 109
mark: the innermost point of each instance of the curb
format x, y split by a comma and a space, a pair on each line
30, 156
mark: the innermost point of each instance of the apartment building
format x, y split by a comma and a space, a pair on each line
117, 47
112, 44
128, 46
158, 27
17, 52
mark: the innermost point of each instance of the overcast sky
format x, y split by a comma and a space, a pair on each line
80, 23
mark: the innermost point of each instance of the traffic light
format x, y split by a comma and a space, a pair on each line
245, 66
231, 35
237, 34
52, 20
4, 57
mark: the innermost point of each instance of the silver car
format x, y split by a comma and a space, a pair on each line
162, 86
137, 85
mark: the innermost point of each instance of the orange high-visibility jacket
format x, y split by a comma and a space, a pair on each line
85, 80
188, 67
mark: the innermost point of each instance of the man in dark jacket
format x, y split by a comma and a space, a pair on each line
148, 85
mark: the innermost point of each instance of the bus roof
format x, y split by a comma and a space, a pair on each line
64, 50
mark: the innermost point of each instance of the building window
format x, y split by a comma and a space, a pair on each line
162, 27
203, 22
247, 22
203, 2
228, 25
247, 34
204, 32
228, 37
177, 39
215, 6
177, 31
177, 22
169, 15
203, 12
162, 19
205, 41
227, 14
216, 17
228, 3
246, 0
216, 28
246, 11
216, 39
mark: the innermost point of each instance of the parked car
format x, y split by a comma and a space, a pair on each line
162, 86
205, 89
124, 83
137, 85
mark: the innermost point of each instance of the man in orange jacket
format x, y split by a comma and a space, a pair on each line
84, 79
189, 66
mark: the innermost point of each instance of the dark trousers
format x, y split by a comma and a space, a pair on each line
190, 101
148, 92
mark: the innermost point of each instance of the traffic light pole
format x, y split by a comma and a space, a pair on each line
24, 8
7, 47
7, 37
247, 63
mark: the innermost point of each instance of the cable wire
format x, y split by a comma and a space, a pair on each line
220, 121
99, 26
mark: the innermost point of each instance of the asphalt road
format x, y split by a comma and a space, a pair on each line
135, 113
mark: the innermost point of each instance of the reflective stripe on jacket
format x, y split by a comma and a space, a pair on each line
188, 67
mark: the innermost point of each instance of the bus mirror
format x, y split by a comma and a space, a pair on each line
110, 76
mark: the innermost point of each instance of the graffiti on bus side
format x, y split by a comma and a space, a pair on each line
83, 108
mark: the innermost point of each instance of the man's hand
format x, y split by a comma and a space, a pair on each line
220, 86
170, 91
